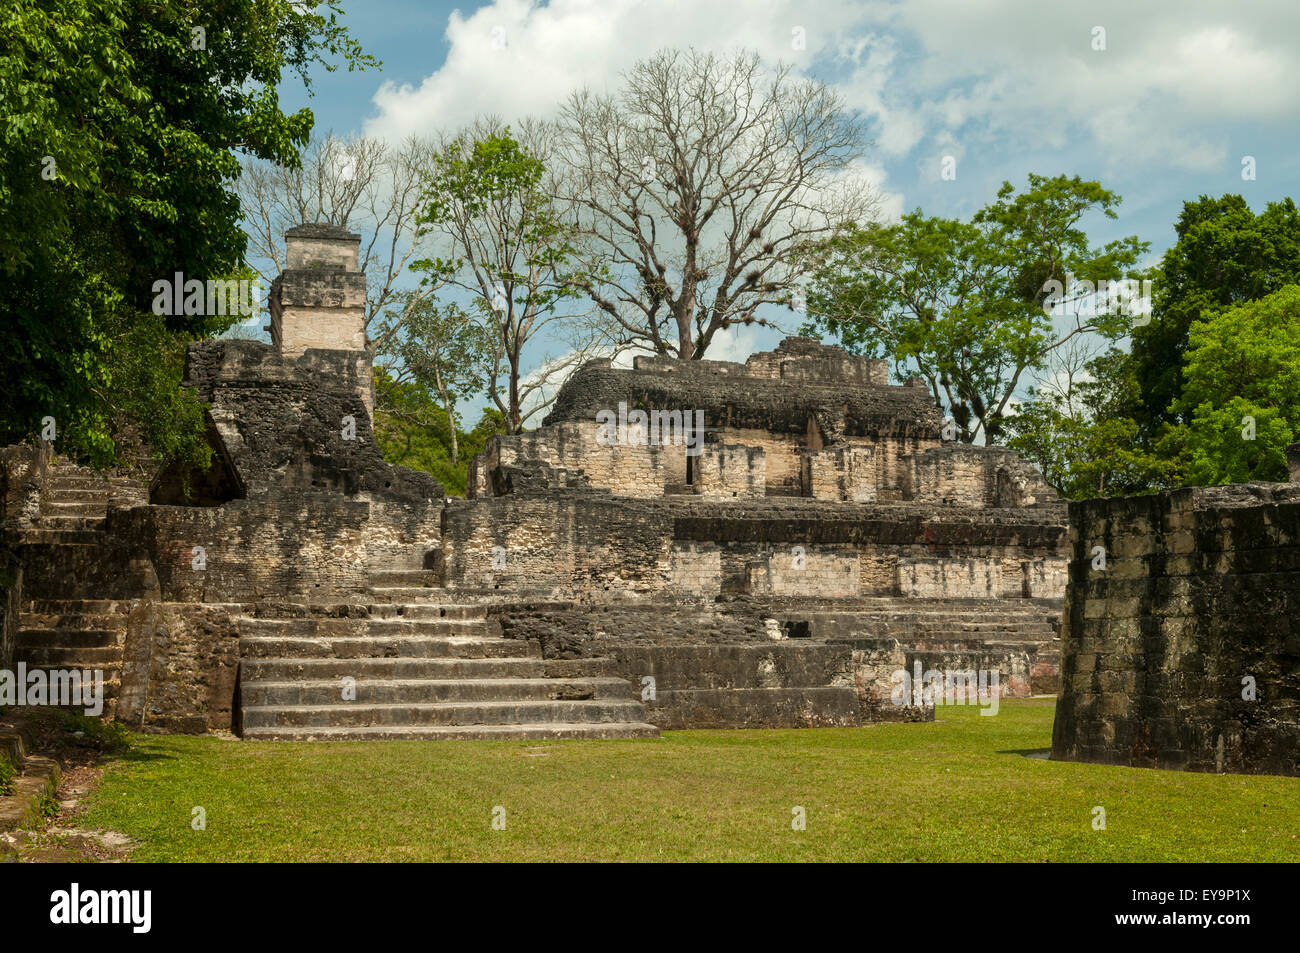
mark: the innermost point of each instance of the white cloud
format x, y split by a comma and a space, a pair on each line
549, 50
934, 77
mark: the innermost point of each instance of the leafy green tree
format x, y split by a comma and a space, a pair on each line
1241, 392
439, 347
510, 252
1073, 431
116, 161
963, 303
1224, 255
414, 431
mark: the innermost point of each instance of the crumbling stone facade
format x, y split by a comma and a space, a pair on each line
708, 489
681, 544
1181, 645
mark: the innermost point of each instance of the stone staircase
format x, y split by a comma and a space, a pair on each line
938, 630
419, 669
75, 502
80, 634
73, 633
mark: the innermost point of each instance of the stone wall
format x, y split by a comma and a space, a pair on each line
23, 472
180, 664
968, 475
969, 578
593, 543
845, 472
805, 359
1181, 637
730, 470
634, 469
733, 664
318, 301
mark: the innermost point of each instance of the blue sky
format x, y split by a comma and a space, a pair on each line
1161, 108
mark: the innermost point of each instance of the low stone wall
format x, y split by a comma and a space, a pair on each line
746, 663
11, 595
1181, 637
957, 473
180, 663
591, 544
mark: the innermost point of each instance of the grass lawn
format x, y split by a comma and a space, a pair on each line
958, 789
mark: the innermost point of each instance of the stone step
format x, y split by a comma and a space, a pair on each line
71, 620
402, 578
76, 494
62, 507
47, 536
61, 656
946, 615
111, 673
324, 627
513, 712
386, 691
255, 669
382, 610
64, 523
410, 594
545, 731
397, 646
69, 637
426, 610
64, 478
578, 667
77, 606
968, 628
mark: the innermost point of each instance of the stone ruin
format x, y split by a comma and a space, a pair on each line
681, 544
1182, 630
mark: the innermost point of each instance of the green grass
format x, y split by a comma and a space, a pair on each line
958, 789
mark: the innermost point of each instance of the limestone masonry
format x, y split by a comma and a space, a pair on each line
680, 544
1182, 646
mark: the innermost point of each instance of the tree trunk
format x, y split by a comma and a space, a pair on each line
515, 424
451, 413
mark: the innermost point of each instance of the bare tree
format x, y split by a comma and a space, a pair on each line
696, 186
362, 184
502, 243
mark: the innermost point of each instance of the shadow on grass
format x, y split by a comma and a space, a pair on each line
1038, 754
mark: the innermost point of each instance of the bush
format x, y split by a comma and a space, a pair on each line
8, 772
107, 736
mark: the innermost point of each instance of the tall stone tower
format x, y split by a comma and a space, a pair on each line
319, 300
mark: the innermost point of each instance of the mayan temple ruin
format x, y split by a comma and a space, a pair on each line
680, 544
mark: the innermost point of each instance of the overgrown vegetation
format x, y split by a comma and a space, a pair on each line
1194, 386
412, 430
101, 734
8, 774
116, 162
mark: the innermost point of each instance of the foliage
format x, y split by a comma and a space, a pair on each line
696, 184
962, 303
438, 347
8, 774
1241, 392
510, 252
1225, 255
1074, 436
414, 431
102, 734
116, 160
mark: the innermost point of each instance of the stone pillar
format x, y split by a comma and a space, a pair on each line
1293, 461
319, 300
